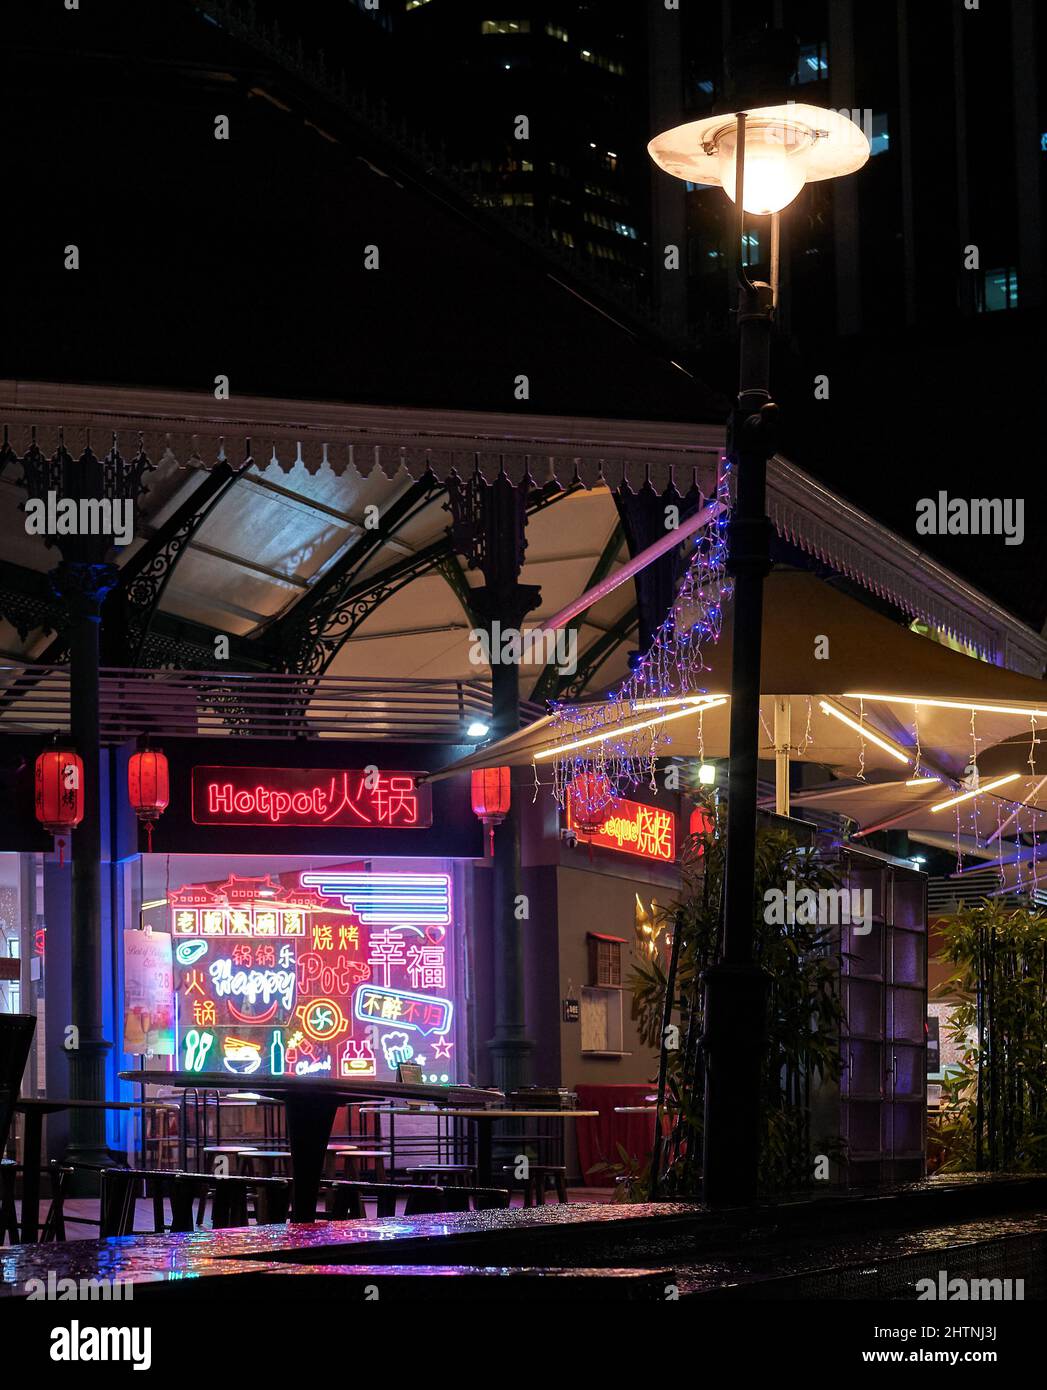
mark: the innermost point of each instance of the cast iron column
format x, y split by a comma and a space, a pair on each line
87, 491
489, 530
84, 587
736, 987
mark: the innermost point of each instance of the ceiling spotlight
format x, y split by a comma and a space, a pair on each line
707, 774
477, 729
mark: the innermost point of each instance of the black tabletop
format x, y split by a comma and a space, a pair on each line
326, 1087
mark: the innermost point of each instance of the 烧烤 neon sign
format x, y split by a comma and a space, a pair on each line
328, 975
632, 827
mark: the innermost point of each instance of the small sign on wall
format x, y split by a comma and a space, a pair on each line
572, 1010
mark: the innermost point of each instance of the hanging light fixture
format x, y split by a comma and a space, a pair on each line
59, 793
148, 788
491, 798
785, 147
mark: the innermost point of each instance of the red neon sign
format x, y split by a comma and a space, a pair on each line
317, 796
633, 828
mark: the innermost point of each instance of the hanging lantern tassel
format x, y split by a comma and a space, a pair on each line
60, 845
148, 788
490, 796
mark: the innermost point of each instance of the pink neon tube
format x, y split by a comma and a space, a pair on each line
607, 586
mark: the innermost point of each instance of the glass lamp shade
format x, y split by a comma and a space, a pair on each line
773, 172
785, 147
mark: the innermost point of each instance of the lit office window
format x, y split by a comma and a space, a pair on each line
751, 248
813, 65
505, 26
555, 32
879, 136
998, 290
598, 60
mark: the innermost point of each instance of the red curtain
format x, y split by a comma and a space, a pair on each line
598, 1139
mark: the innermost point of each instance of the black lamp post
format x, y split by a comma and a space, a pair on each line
762, 157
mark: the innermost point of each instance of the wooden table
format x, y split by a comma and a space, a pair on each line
311, 1104
34, 1108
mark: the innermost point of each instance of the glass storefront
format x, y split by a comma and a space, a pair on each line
294, 965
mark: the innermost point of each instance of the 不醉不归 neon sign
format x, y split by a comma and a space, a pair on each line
337, 974
318, 796
633, 828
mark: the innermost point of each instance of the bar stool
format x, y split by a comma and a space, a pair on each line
235, 1153
264, 1163
445, 1174
356, 1162
539, 1175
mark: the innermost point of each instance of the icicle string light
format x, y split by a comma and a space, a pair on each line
861, 748
672, 668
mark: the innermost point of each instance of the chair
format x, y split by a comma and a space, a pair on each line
16, 1039
232, 1199
346, 1200
534, 1185
446, 1174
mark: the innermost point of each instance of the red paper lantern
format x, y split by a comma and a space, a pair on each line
701, 823
590, 796
148, 787
59, 793
491, 797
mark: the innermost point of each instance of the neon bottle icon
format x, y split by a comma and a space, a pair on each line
277, 1057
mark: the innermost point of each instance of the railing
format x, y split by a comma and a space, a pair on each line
194, 704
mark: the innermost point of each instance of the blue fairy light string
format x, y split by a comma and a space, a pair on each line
672, 667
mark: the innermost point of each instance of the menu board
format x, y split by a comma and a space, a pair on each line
148, 1011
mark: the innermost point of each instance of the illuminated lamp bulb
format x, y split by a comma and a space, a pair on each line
773, 173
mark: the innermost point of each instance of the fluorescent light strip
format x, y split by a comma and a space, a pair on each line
921, 781
625, 729
864, 731
693, 700
966, 796
951, 704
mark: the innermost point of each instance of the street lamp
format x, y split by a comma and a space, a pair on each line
761, 157
785, 147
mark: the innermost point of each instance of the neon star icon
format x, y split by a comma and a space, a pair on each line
442, 1048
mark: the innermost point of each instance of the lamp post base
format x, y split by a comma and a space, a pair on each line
735, 1023
87, 1128
510, 1062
